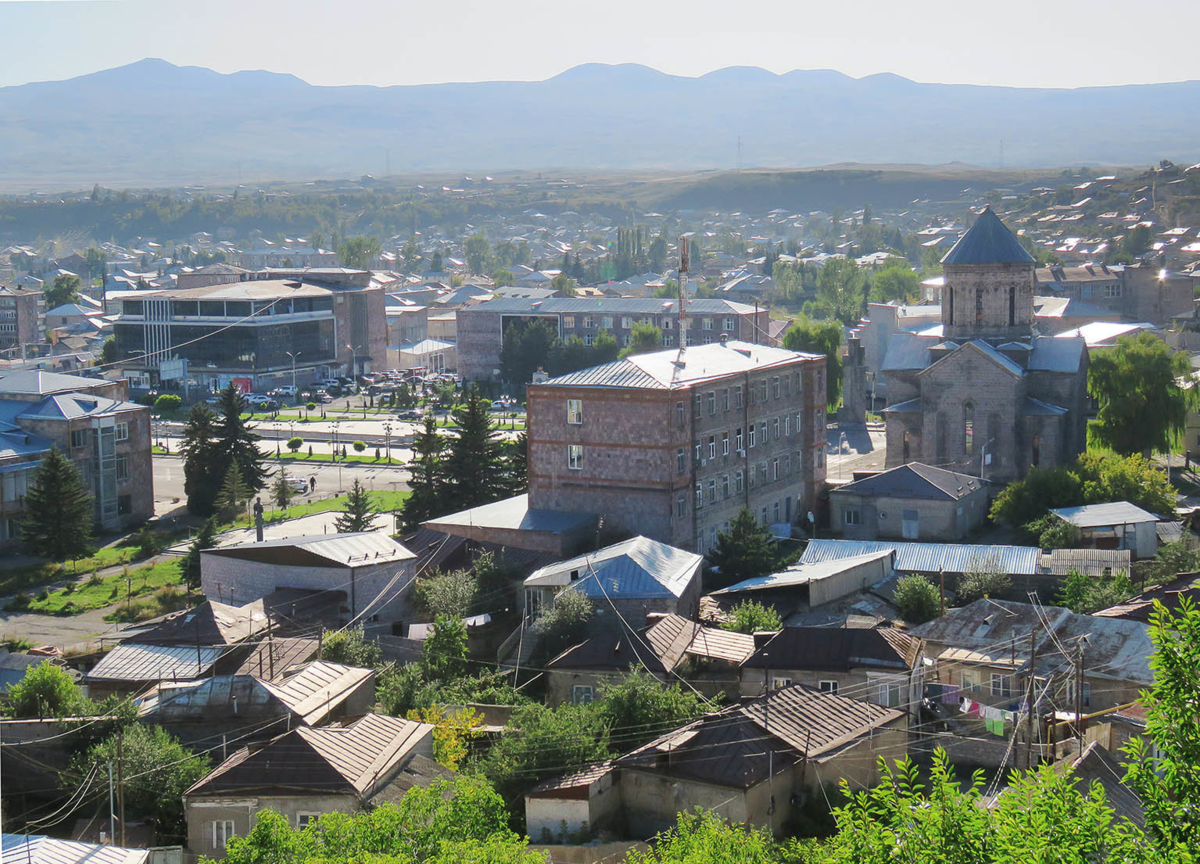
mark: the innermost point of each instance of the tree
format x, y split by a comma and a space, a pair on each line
563, 284
167, 402
64, 289
1042, 489
840, 288
703, 837
1182, 556
916, 598
1085, 593
895, 281
358, 513
444, 654
233, 493
435, 263
525, 348
1143, 408
820, 337
746, 551
237, 443
560, 626
643, 338
1165, 770
451, 593
350, 648
474, 464
57, 522
502, 278
295, 443
750, 616
478, 253
157, 771
282, 492
427, 473
96, 263
984, 579
359, 253
656, 257
638, 707
189, 567
46, 690
451, 732
201, 477
108, 351
604, 348
517, 452
1137, 242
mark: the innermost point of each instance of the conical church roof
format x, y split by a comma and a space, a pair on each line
988, 242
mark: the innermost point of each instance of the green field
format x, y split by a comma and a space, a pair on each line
99, 592
17, 579
385, 501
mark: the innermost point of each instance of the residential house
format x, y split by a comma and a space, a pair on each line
1170, 594
306, 773
40, 849
579, 804
804, 586
913, 502
1116, 525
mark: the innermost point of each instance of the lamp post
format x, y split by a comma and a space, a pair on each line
337, 424
293, 356
387, 438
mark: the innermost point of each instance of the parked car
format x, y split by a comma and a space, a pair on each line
287, 390
299, 485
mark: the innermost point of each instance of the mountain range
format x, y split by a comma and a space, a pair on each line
155, 123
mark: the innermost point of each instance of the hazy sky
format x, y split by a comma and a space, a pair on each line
1058, 43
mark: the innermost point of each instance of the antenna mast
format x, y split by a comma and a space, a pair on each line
683, 292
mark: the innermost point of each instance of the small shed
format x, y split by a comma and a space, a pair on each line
577, 804
1117, 525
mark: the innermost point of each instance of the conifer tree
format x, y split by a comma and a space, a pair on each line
359, 514
427, 481
238, 443
205, 538
282, 492
201, 480
233, 493
475, 464
58, 517
746, 551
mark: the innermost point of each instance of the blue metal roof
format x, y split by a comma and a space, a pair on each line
988, 242
639, 567
932, 557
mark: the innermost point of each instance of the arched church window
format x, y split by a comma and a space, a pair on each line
969, 428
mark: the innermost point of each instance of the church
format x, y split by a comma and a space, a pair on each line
984, 394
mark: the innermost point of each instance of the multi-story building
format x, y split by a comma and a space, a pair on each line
1141, 292
481, 327
257, 331
672, 444
22, 311
89, 421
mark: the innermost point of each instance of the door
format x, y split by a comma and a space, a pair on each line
910, 527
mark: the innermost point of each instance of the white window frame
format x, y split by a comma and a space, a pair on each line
739, 481
852, 516
708, 323
304, 817
778, 682
575, 457
122, 432
575, 412
1001, 685
752, 436
582, 694
227, 830
724, 443
626, 322
606, 322
729, 324
712, 446
828, 685
569, 321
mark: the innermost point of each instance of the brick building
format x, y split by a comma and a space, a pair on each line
480, 328
22, 311
985, 396
89, 421
671, 444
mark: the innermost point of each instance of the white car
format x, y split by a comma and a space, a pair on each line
288, 391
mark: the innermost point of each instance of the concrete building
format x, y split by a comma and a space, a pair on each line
986, 396
90, 422
22, 316
432, 355
912, 502
672, 444
481, 327
1117, 525
1140, 292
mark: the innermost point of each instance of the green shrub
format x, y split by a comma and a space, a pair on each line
359, 446
916, 598
295, 444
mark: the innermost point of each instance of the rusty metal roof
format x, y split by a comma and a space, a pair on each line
130, 662
317, 689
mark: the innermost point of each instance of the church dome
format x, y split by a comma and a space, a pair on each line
988, 242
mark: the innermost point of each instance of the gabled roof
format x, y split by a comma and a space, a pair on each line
916, 480
362, 549
1140, 606
674, 637
210, 623
826, 649
35, 381
71, 406
639, 567
317, 689
1104, 515
155, 663
39, 849
351, 758
988, 241
984, 348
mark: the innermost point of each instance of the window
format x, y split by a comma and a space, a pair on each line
775, 428
575, 457
606, 322
853, 516
798, 417
699, 495
680, 460
969, 429
712, 402
568, 321
122, 431
830, 687
666, 324
787, 464
582, 694
668, 340
679, 415
775, 512
222, 831
738, 440
124, 505
752, 435
737, 396
778, 682
753, 475
725, 486
708, 323
712, 490
588, 338
774, 469
775, 387
712, 446
1001, 685
79, 437
729, 325
681, 506
738, 482
890, 694
697, 453
762, 390
696, 405
587, 321
122, 467
627, 322
575, 412
302, 819
725, 399
787, 425
724, 443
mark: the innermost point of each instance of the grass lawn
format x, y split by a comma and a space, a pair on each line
98, 592
302, 456
385, 501
22, 578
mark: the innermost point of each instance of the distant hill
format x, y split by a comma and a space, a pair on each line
152, 122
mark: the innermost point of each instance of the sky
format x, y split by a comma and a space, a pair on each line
1024, 43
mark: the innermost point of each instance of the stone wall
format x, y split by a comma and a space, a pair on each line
993, 300
937, 520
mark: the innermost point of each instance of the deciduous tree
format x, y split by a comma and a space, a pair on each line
820, 337
1143, 408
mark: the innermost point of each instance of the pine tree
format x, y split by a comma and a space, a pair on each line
58, 517
427, 480
746, 551
282, 492
232, 494
475, 464
359, 514
206, 538
237, 443
202, 480
518, 463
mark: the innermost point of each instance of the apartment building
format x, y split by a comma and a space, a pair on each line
481, 327
89, 421
672, 444
22, 311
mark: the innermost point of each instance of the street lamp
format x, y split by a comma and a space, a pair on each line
293, 356
336, 428
387, 437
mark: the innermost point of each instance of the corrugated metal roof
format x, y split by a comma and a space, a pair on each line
513, 514
155, 663
805, 572
675, 637
1094, 561
210, 623
931, 557
1057, 354
988, 241
39, 849
639, 567
907, 351
1038, 408
318, 689
1104, 515
598, 305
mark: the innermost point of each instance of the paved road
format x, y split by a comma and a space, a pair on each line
861, 449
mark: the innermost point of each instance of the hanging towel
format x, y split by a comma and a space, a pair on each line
950, 694
966, 706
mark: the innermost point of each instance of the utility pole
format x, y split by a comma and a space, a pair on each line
1029, 697
112, 818
942, 589
1079, 696
120, 784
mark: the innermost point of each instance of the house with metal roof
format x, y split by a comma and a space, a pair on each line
40, 849
1115, 525
306, 773
913, 502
